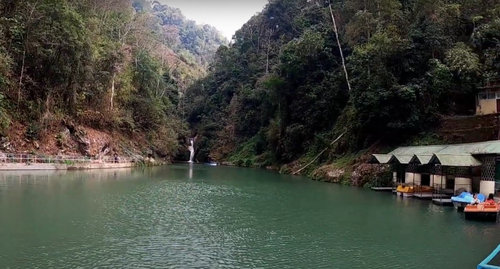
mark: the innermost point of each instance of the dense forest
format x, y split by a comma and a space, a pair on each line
279, 92
118, 66
295, 77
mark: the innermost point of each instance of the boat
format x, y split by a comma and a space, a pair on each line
487, 263
482, 211
462, 200
405, 191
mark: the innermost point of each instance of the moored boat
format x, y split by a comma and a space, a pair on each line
405, 191
462, 200
483, 211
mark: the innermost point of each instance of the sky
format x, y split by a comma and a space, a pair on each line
226, 15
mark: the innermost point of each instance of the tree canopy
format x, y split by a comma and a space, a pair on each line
279, 91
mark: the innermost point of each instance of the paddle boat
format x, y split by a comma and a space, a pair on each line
487, 263
405, 191
462, 200
483, 211
409, 191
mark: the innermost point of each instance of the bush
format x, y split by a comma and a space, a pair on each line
33, 131
4, 117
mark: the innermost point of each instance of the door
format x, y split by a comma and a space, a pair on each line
426, 180
498, 106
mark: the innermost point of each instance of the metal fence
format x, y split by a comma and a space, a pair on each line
59, 159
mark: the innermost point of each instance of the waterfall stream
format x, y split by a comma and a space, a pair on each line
191, 150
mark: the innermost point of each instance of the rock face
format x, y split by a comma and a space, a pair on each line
79, 136
5, 144
371, 174
330, 173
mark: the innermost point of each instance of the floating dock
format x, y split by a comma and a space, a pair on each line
428, 195
383, 189
442, 202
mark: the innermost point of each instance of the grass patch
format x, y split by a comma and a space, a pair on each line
425, 139
252, 153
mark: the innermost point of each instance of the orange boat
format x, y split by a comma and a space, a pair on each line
408, 191
405, 191
483, 211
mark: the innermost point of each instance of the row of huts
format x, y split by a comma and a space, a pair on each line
474, 167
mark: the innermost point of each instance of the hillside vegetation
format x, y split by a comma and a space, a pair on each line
279, 93
106, 66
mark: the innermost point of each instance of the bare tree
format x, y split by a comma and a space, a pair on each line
340, 47
29, 20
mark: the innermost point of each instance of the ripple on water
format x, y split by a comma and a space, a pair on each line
231, 219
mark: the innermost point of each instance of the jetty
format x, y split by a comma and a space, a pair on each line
383, 189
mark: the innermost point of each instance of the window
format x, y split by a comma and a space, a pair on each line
492, 95
482, 96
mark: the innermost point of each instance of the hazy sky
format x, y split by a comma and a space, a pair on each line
226, 15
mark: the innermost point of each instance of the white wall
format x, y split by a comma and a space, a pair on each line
487, 187
463, 182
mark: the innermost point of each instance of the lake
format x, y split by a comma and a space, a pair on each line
183, 216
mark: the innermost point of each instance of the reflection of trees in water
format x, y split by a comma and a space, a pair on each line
54, 177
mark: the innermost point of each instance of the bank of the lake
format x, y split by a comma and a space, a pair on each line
201, 216
63, 166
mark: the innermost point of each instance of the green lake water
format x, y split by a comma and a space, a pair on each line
223, 217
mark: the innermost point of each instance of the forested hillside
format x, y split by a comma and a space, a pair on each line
107, 68
192, 41
279, 93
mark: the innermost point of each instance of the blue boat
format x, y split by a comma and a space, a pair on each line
461, 201
486, 263
465, 198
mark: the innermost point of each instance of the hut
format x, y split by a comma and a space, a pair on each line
488, 98
474, 167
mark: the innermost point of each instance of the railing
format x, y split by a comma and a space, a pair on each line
59, 159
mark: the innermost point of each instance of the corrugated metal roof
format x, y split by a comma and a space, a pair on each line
462, 160
417, 150
380, 158
401, 159
421, 158
450, 153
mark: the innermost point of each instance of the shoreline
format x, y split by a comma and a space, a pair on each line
62, 166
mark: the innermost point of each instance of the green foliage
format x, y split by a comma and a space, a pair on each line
4, 117
252, 153
462, 60
409, 62
192, 42
68, 162
98, 63
156, 93
5, 65
33, 131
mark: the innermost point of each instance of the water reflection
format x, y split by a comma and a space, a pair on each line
223, 217
190, 170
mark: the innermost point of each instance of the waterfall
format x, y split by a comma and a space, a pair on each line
191, 150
